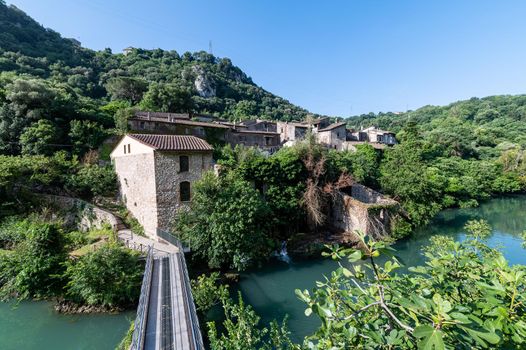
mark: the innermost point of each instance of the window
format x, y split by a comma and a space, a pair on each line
187, 131
129, 146
141, 125
184, 190
183, 164
124, 149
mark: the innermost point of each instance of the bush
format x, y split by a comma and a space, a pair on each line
227, 224
110, 276
93, 180
34, 268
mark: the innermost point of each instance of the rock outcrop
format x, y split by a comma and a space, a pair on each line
204, 84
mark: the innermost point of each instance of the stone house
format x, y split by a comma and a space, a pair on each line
156, 174
291, 131
265, 140
333, 136
175, 123
375, 135
260, 125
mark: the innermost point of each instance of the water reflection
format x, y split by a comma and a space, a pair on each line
271, 289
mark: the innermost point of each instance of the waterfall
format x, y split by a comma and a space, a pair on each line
282, 254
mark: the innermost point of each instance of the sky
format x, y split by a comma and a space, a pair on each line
333, 57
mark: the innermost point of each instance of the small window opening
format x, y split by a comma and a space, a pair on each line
184, 190
183, 164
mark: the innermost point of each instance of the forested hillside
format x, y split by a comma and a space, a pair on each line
454, 155
478, 127
54, 85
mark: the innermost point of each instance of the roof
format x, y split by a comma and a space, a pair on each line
374, 129
183, 122
333, 126
319, 120
164, 115
172, 142
257, 132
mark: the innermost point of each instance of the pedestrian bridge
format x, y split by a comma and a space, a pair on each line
166, 316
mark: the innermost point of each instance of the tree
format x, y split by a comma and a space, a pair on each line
34, 266
466, 296
40, 138
242, 330
109, 276
92, 179
167, 98
405, 175
86, 135
126, 88
227, 223
207, 291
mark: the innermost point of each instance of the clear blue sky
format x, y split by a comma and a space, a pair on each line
331, 57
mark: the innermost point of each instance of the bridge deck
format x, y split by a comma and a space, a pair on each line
169, 321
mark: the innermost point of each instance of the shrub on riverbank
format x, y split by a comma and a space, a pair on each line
35, 262
109, 276
35, 265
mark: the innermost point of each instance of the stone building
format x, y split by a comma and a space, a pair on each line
265, 140
292, 132
156, 174
359, 208
177, 124
375, 135
333, 136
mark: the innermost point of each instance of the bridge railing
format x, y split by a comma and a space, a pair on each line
139, 332
190, 305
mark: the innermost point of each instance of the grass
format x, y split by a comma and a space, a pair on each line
126, 341
95, 237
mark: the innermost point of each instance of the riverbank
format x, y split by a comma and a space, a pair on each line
270, 289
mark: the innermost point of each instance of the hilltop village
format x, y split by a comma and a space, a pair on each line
164, 154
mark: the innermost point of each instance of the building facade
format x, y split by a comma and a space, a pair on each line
156, 174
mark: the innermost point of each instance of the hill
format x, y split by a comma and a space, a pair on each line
47, 77
478, 127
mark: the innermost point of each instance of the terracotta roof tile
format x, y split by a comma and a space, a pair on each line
173, 142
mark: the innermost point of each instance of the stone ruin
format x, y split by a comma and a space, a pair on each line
360, 208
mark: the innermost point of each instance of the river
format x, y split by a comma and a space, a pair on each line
270, 290
34, 325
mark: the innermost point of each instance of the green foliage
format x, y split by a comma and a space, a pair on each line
126, 88
227, 223
167, 98
465, 296
125, 343
207, 291
86, 135
109, 276
242, 331
34, 268
19, 176
92, 179
39, 138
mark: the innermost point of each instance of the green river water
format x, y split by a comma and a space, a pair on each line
34, 325
270, 290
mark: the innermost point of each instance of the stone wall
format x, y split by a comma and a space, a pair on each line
136, 176
84, 214
360, 208
168, 178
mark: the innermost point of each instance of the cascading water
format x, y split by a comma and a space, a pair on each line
282, 254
